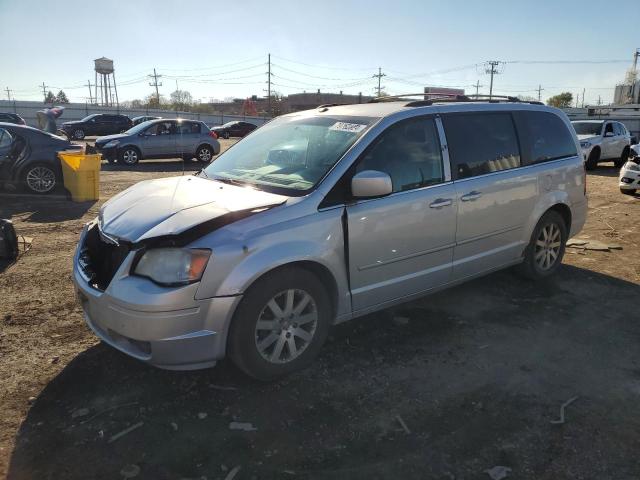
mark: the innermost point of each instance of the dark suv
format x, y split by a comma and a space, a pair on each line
11, 118
96, 125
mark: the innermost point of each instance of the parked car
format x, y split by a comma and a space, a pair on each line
630, 173
603, 140
326, 215
138, 120
234, 129
28, 158
96, 124
6, 117
160, 139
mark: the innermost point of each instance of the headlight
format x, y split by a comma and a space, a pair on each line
111, 144
632, 166
173, 266
585, 144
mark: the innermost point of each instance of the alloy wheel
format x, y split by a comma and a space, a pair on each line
130, 157
78, 134
286, 326
548, 245
41, 179
204, 155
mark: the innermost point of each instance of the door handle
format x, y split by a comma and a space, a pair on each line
440, 202
471, 196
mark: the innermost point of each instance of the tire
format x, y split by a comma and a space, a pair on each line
592, 161
78, 134
619, 162
627, 191
550, 230
265, 351
226, 135
204, 153
40, 178
129, 155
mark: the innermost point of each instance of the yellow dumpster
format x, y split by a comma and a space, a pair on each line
81, 174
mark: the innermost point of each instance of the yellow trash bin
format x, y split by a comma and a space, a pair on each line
81, 173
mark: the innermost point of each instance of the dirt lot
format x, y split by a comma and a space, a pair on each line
476, 374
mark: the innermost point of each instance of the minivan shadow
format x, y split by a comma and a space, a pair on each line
43, 208
432, 361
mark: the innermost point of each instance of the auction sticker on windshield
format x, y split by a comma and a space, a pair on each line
347, 127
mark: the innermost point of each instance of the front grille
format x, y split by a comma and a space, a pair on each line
100, 260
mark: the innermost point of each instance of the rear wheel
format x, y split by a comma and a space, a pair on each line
280, 324
78, 134
204, 153
226, 135
40, 178
619, 162
129, 155
546, 248
627, 191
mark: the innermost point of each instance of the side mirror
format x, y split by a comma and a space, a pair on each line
371, 183
608, 134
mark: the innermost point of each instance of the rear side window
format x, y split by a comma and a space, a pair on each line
409, 152
189, 127
5, 138
544, 137
481, 143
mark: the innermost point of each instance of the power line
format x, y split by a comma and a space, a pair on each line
379, 77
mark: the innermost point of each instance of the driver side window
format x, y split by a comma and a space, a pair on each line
409, 152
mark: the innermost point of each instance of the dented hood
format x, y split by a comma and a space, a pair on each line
170, 206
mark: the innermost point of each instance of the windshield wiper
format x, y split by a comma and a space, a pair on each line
230, 181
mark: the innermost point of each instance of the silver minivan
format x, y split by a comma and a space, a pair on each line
326, 215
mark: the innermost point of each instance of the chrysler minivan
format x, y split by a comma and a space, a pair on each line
325, 215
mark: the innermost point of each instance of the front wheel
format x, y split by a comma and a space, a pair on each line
280, 324
226, 135
627, 191
40, 179
78, 134
129, 155
619, 162
546, 248
204, 154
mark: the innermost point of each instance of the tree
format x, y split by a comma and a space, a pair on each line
62, 97
181, 100
562, 100
155, 102
50, 98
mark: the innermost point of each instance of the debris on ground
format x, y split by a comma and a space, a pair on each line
126, 431
30, 400
54, 359
174, 425
221, 387
245, 426
115, 407
400, 320
130, 471
403, 425
498, 472
202, 415
562, 407
593, 245
81, 412
234, 471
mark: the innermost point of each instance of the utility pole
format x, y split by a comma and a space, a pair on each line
492, 70
379, 77
8, 93
477, 85
269, 84
599, 100
44, 92
155, 83
583, 90
540, 93
90, 95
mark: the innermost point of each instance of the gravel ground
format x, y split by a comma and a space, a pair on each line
445, 387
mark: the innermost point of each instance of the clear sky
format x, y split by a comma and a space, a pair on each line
217, 49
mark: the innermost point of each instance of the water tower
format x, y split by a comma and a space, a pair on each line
104, 80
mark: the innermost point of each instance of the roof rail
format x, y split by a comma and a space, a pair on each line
450, 98
389, 98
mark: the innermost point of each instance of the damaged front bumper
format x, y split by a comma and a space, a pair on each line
168, 327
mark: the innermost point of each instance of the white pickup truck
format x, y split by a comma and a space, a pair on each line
603, 140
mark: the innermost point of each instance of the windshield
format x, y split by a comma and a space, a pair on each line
289, 155
587, 128
139, 128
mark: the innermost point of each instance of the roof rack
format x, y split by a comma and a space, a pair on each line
450, 98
